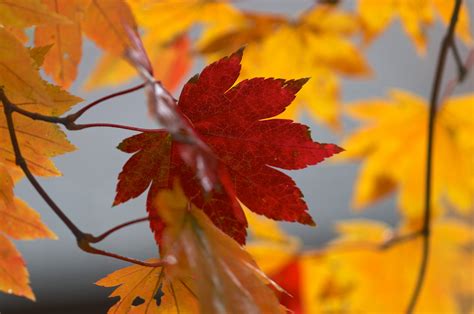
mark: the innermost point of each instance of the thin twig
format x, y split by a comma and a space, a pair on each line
78, 114
78, 127
457, 57
392, 241
451, 85
426, 228
116, 228
83, 239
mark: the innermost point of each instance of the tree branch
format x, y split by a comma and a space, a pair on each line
435, 90
83, 239
70, 124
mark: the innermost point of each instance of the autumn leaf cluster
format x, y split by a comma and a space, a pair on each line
214, 168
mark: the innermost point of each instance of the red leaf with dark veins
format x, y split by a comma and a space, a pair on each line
235, 123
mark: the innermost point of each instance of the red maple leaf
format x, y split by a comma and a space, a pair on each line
234, 122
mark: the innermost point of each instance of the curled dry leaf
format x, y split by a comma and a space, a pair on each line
226, 278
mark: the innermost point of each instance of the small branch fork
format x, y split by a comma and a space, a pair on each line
69, 121
83, 239
446, 44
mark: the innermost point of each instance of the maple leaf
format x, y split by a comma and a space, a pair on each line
108, 23
18, 74
24, 87
171, 62
416, 17
168, 19
28, 12
345, 276
357, 272
234, 123
316, 45
399, 124
226, 278
63, 59
17, 221
149, 287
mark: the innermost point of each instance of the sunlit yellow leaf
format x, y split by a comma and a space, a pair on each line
316, 45
392, 141
352, 277
167, 19
20, 222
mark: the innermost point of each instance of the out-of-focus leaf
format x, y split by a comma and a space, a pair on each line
227, 280
317, 45
394, 133
359, 271
25, 13
170, 63
108, 23
416, 17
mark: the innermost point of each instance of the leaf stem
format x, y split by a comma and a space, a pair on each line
435, 90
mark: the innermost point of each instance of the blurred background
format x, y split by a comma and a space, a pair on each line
63, 277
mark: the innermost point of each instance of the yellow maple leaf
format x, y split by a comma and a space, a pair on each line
17, 70
141, 287
167, 19
17, 221
63, 59
416, 17
316, 45
352, 277
39, 141
392, 143
226, 278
